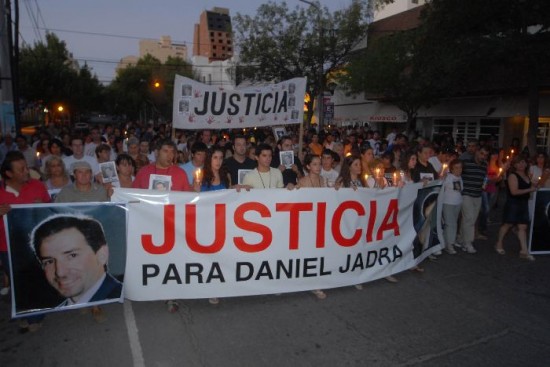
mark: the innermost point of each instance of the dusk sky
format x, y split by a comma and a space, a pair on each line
126, 21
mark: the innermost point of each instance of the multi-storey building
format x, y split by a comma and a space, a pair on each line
212, 36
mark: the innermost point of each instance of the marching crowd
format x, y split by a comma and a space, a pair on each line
60, 165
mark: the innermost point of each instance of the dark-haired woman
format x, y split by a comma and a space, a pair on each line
516, 209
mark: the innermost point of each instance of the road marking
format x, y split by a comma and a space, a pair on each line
133, 335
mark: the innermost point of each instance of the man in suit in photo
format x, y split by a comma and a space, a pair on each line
73, 253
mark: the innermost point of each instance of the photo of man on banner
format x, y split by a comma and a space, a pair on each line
78, 251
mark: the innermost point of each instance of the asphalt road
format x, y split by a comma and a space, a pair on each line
465, 310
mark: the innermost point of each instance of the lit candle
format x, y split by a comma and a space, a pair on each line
507, 157
444, 168
377, 173
395, 179
500, 171
366, 180
512, 152
198, 175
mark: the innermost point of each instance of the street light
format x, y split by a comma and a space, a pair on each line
320, 107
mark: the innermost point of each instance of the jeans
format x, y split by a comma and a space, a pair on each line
470, 212
451, 215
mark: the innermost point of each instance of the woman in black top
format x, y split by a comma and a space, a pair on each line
516, 209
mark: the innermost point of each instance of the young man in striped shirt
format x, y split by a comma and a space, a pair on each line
473, 177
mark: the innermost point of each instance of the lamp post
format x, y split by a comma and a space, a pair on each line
320, 107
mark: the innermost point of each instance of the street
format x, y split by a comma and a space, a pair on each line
464, 310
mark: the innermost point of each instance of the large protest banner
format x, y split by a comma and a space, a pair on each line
539, 241
227, 243
202, 106
65, 256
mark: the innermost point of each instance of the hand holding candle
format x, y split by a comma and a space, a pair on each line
198, 175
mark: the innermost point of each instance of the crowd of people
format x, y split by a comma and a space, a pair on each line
87, 165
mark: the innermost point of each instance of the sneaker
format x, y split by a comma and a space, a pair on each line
481, 237
438, 253
4, 291
319, 294
450, 249
213, 301
391, 279
358, 286
469, 249
172, 306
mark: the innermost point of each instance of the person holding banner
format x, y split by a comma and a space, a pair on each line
198, 156
238, 160
18, 188
264, 176
516, 209
81, 191
164, 166
215, 177
312, 164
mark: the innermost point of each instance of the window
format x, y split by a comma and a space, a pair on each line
214, 47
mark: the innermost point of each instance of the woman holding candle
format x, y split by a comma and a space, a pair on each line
452, 204
212, 177
350, 174
312, 165
516, 208
367, 157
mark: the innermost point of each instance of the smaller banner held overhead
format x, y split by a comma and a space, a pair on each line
201, 106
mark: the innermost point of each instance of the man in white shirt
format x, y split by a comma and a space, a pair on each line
264, 176
328, 173
77, 146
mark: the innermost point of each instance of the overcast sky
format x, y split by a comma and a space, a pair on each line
126, 18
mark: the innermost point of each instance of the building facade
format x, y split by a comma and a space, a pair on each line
159, 49
212, 36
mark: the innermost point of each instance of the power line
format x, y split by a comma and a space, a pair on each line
100, 34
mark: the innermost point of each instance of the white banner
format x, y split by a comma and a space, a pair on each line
201, 106
227, 243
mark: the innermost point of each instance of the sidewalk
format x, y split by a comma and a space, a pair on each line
465, 310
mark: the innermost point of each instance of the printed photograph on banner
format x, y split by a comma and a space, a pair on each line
160, 182
287, 158
186, 90
184, 106
241, 173
539, 241
425, 220
291, 88
108, 172
294, 115
65, 256
291, 101
279, 132
426, 176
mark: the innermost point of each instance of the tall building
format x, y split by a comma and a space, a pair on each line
213, 37
159, 49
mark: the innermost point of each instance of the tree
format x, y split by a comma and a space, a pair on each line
134, 89
503, 46
462, 47
279, 44
393, 69
48, 75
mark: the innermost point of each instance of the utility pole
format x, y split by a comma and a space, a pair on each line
9, 108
